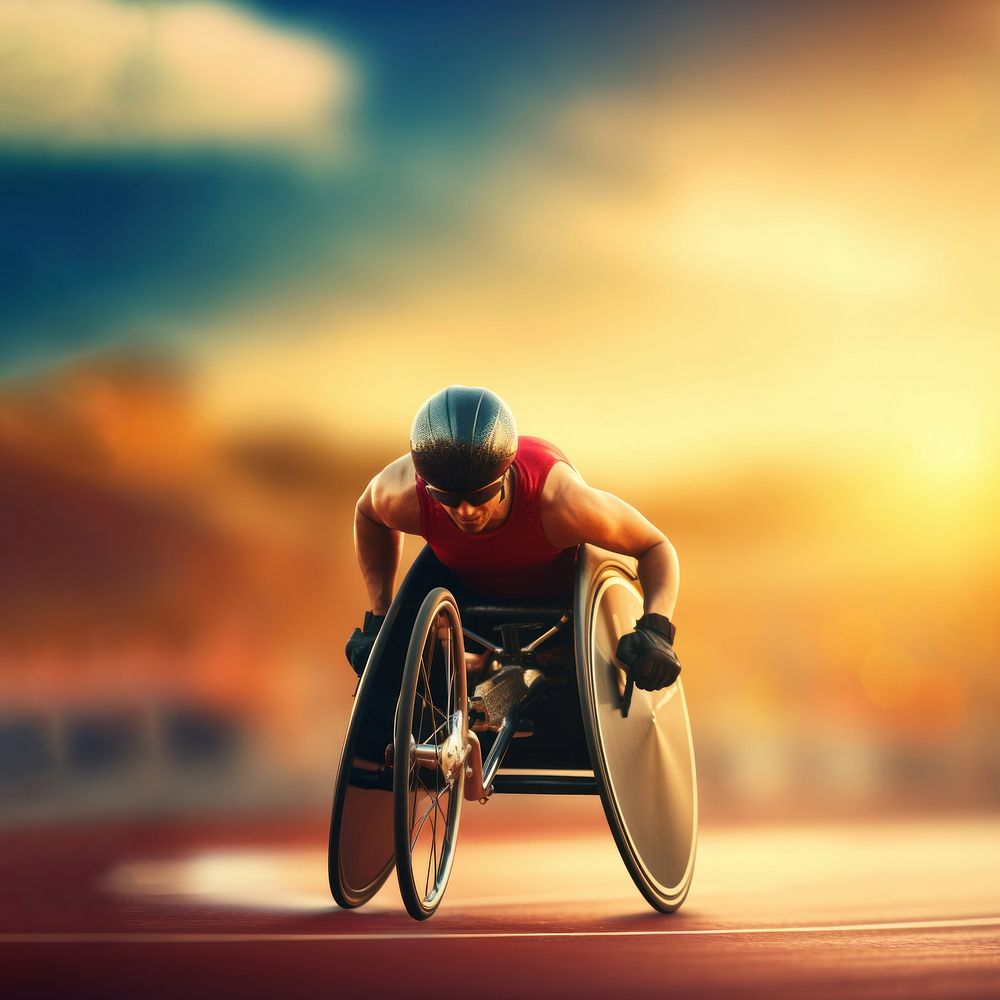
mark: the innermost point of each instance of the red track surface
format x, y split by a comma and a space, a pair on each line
233, 908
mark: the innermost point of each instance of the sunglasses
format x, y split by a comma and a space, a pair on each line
475, 498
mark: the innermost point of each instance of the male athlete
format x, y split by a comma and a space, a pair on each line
506, 514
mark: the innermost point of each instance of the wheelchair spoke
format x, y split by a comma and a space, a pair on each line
431, 851
435, 796
426, 701
420, 730
437, 805
420, 825
448, 669
431, 863
432, 855
430, 739
426, 660
413, 811
426, 696
435, 792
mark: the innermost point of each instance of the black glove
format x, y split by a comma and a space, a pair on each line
359, 646
649, 654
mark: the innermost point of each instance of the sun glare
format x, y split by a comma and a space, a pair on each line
953, 458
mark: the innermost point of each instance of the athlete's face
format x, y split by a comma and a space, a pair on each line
471, 519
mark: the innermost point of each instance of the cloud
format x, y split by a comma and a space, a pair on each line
105, 76
853, 162
734, 267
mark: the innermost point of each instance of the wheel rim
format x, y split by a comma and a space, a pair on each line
431, 734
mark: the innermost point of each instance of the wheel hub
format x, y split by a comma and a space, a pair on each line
448, 755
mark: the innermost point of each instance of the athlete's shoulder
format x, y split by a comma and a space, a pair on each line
540, 459
397, 475
562, 482
563, 497
393, 494
528, 445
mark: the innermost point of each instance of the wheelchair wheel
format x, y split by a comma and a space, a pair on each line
429, 750
644, 763
361, 854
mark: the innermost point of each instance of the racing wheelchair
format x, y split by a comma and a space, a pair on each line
548, 711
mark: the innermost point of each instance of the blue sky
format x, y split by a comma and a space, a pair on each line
97, 247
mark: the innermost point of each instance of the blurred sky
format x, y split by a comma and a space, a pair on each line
758, 227
739, 260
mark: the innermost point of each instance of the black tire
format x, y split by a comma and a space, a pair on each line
432, 710
644, 764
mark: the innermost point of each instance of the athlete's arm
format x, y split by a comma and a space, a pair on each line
385, 511
574, 513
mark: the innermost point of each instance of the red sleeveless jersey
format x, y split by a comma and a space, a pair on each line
515, 562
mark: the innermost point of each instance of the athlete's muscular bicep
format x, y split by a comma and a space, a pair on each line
384, 511
573, 513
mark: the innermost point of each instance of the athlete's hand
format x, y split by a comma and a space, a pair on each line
359, 646
648, 653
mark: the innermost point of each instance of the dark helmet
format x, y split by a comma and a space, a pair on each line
463, 438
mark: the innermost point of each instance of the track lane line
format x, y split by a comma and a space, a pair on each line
180, 937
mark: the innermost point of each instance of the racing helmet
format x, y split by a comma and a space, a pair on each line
463, 438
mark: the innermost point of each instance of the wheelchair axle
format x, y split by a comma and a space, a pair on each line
448, 756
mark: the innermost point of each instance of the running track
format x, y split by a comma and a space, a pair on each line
233, 908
